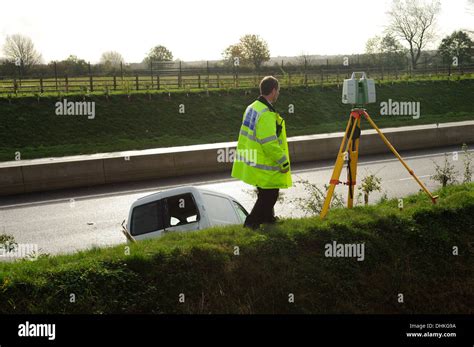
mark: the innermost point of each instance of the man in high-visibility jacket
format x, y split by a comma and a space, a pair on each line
262, 157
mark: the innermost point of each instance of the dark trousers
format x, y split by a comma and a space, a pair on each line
262, 211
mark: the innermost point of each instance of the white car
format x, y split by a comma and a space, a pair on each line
181, 209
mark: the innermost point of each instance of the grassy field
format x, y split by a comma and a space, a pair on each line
407, 252
142, 120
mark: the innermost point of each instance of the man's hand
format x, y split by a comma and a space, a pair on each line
284, 170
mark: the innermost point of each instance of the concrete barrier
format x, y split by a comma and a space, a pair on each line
88, 170
138, 167
11, 180
43, 177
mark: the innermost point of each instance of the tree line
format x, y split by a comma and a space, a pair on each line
411, 29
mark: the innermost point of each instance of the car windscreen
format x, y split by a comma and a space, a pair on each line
147, 218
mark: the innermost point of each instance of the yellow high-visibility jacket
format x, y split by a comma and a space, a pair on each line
262, 149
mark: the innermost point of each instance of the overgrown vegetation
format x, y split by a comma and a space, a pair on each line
444, 173
368, 184
312, 203
7, 243
236, 270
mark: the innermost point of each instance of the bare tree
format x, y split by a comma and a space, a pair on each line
112, 59
372, 48
305, 59
21, 50
414, 22
385, 50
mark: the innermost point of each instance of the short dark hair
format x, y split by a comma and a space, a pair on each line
267, 84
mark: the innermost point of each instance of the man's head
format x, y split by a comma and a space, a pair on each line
270, 88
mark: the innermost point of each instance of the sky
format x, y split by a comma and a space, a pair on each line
202, 29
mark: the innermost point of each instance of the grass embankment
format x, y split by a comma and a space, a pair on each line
407, 252
32, 128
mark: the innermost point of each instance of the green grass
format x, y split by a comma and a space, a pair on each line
149, 120
408, 252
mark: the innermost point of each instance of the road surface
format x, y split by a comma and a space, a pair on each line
76, 219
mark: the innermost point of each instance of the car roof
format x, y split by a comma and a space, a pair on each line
176, 191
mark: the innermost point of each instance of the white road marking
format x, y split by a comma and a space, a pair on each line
410, 178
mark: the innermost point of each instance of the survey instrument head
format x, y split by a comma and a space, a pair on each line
358, 92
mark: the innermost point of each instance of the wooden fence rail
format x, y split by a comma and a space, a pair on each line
186, 81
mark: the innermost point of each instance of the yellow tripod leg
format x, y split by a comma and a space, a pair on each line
334, 178
338, 166
394, 151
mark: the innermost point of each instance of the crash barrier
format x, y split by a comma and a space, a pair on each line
37, 175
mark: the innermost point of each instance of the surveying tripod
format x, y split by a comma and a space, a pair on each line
349, 150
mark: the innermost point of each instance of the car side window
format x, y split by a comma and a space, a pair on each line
219, 209
181, 210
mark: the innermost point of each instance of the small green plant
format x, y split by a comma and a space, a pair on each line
445, 174
370, 183
467, 174
313, 204
384, 197
7, 243
4, 238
